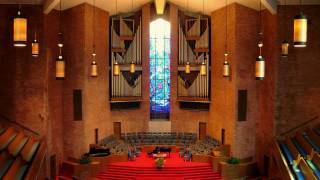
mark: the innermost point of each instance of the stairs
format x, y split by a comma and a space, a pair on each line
119, 172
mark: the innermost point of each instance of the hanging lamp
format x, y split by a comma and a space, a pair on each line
300, 29
116, 69
260, 61
226, 65
160, 6
187, 68
60, 64
133, 64
285, 43
187, 65
20, 30
116, 66
35, 46
203, 66
94, 65
285, 48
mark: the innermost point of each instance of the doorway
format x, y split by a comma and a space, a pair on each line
202, 130
117, 129
223, 132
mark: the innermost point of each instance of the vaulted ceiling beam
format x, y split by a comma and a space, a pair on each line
49, 5
271, 5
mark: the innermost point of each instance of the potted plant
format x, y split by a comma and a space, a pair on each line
84, 159
233, 160
159, 163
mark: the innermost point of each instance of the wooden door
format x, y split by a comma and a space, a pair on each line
202, 130
223, 132
117, 129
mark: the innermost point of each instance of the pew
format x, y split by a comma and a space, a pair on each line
6, 138
17, 144
29, 149
293, 150
305, 145
314, 137
306, 171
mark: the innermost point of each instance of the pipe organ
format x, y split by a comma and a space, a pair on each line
125, 51
194, 54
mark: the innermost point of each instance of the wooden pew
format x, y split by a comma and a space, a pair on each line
17, 144
306, 170
29, 149
314, 137
296, 155
316, 160
6, 138
17, 169
305, 145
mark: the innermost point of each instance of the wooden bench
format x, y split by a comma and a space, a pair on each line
305, 145
6, 138
306, 170
314, 137
295, 154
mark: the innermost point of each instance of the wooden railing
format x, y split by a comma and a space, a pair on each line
5, 118
298, 127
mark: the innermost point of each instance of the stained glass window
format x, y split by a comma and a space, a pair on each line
159, 69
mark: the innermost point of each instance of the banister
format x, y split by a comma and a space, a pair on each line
298, 126
18, 124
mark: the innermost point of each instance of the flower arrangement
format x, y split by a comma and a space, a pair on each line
159, 162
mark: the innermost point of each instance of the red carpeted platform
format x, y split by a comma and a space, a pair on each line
143, 168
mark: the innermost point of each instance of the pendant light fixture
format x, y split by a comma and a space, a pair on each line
187, 65
60, 64
132, 64
226, 65
203, 67
187, 68
94, 65
116, 66
260, 62
285, 43
285, 48
160, 6
20, 30
35, 43
300, 29
35, 46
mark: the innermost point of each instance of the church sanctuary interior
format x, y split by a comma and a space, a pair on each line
160, 89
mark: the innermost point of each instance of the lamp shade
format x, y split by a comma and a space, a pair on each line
116, 69
60, 68
35, 48
160, 5
260, 68
94, 69
132, 67
226, 69
187, 68
203, 69
300, 30
285, 49
20, 31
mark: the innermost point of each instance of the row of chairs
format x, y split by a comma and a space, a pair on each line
302, 154
17, 151
170, 138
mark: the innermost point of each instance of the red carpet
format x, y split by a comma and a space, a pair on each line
143, 168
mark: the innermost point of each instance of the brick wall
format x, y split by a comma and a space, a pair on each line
298, 82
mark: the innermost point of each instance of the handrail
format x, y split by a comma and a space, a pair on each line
298, 126
18, 124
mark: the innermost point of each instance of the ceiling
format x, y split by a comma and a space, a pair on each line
126, 5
